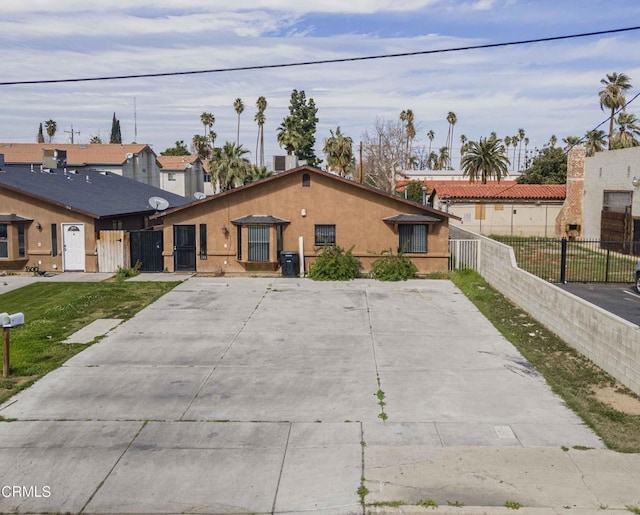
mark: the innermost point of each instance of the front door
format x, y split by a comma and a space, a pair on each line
73, 247
184, 248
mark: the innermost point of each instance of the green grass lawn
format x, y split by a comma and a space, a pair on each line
572, 376
53, 311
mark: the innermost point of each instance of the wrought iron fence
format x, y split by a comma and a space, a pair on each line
561, 260
464, 254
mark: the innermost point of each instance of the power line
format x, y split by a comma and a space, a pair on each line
322, 61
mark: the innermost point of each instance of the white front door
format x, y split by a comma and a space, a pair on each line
73, 245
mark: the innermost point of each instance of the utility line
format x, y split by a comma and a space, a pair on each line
323, 61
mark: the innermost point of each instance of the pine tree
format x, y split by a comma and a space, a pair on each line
40, 134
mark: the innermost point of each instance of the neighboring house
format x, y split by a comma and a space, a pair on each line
51, 219
610, 187
133, 161
504, 208
182, 175
437, 175
246, 229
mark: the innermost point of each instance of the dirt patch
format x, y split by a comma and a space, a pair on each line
618, 400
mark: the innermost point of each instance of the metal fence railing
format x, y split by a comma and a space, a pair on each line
464, 254
562, 260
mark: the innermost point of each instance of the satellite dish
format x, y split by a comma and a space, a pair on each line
158, 203
198, 195
129, 155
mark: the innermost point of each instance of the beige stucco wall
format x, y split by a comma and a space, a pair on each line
38, 241
507, 219
612, 170
357, 213
187, 180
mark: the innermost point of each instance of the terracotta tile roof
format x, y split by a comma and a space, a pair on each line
77, 154
493, 190
176, 162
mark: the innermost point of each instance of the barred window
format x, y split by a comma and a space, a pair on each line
203, 241
258, 243
325, 235
413, 239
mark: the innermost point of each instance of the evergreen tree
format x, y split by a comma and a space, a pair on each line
40, 134
548, 167
302, 116
179, 150
116, 136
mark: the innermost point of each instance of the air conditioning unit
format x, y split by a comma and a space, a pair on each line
283, 163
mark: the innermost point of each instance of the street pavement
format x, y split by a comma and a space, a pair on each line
292, 396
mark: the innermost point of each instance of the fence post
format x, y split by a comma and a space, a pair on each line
606, 269
563, 261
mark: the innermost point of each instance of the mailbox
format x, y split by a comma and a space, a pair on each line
12, 320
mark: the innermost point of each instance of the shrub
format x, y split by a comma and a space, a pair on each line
126, 273
335, 264
392, 267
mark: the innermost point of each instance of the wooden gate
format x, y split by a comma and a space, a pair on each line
617, 226
113, 251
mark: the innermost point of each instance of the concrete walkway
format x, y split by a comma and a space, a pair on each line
263, 396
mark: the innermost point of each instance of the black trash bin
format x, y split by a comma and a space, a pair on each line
289, 263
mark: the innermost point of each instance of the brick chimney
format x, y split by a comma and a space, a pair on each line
570, 219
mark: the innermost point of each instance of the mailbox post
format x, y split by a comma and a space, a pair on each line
8, 321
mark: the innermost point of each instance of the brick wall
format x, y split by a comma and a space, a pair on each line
606, 339
572, 209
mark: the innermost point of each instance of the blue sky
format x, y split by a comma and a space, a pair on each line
544, 88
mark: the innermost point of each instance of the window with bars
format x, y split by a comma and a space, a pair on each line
54, 240
258, 242
4, 241
203, 241
413, 239
325, 235
22, 251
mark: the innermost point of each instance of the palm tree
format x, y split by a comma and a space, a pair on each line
430, 135
443, 161
230, 166
256, 173
207, 119
507, 142
485, 159
51, 127
521, 135
409, 130
261, 104
570, 142
201, 146
612, 96
432, 161
339, 151
452, 119
239, 107
289, 136
628, 131
463, 145
514, 144
596, 141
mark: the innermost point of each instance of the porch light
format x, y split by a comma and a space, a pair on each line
224, 229
38, 226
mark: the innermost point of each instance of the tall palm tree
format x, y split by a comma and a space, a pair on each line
231, 166
596, 141
410, 132
207, 119
51, 126
444, 160
238, 105
612, 96
507, 142
514, 144
289, 136
485, 159
201, 146
628, 131
452, 119
339, 151
260, 118
521, 135
430, 135
463, 145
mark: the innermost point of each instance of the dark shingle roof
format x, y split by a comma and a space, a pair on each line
412, 219
14, 218
259, 220
98, 194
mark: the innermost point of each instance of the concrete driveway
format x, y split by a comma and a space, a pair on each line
260, 395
